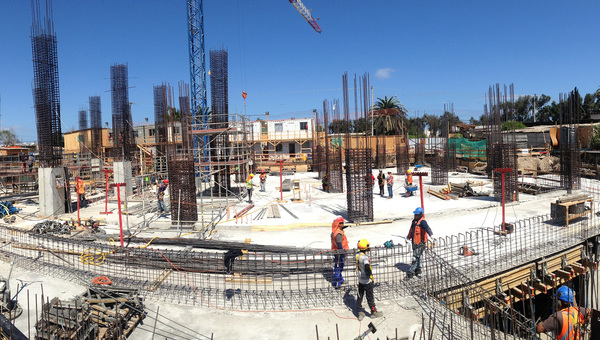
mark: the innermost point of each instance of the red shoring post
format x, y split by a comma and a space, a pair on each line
421, 175
118, 185
106, 212
281, 179
77, 184
503, 171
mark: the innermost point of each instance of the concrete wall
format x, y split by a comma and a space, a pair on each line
122, 174
52, 183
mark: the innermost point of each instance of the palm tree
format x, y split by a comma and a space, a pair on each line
388, 116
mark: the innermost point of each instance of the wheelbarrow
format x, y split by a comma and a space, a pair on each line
410, 190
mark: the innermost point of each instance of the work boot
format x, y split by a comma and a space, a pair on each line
418, 272
376, 314
361, 316
409, 275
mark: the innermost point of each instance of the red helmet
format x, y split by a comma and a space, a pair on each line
166, 181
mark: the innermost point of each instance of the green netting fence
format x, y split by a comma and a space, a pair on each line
469, 149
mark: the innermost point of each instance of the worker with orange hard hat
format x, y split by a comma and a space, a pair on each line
339, 245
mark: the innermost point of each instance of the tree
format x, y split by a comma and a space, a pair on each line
549, 113
340, 126
474, 121
8, 137
595, 141
388, 116
361, 125
434, 124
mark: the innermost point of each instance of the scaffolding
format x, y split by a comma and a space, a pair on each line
46, 94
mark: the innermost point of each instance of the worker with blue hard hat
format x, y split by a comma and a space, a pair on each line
566, 323
419, 230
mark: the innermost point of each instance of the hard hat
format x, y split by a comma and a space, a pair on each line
363, 244
166, 181
380, 170
418, 211
408, 171
565, 294
31, 154
339, 219
251, 175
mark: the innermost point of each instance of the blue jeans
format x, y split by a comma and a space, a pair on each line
162, 206
338, 268
390, 191
416, 262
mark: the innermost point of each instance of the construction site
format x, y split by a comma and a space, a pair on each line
88, 252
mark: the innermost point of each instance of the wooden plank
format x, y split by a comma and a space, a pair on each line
244, 279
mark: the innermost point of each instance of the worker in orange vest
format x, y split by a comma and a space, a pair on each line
81, 193
339, 245
409, 178
568, 320
419, 229
263, 181
390, 184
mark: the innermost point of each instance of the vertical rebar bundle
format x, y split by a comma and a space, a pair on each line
46, 93
160, 118
219, 142
333, 152
450, 148
83, 121
96, 125
359, 175
402, 157
123, 140
502, 146
570, 161
180, 163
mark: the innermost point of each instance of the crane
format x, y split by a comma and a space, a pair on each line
306, 14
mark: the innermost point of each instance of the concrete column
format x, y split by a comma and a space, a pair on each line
53, 194
122, 174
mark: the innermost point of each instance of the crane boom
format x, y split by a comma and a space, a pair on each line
306, 14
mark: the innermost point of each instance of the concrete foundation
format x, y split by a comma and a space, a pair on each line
53, 193
122, 174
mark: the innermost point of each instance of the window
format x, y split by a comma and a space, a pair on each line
151, 132
278, 127
278, 148
292, 148
303, 125
177, 129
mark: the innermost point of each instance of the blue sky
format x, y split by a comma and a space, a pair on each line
424, 52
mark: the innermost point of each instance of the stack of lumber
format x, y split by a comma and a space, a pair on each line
116, 310
65, 320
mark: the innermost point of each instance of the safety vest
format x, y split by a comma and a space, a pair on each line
263, 177
81, 188
419, 234
409, 178
571, 322
249, 182
390, 180
344, 239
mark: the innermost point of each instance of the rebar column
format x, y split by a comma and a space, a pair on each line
570, 161
123, 140
46, 93
96, 125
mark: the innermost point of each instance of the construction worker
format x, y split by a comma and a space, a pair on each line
263, 181
409, 179
81, 192
381, 181
250, 186
390, 184
160, 195
568, 320
324, 183
31, 160
365, 281
229, 258
339, 245
418, 232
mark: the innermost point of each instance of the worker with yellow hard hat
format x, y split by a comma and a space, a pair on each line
365, 280
250, 186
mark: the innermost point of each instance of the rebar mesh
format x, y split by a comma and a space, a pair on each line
160, 118
96, 126
46, 93
333, 154
439, 161
123, 139
359, 182
402, 157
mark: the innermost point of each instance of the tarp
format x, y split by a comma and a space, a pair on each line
468, 149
